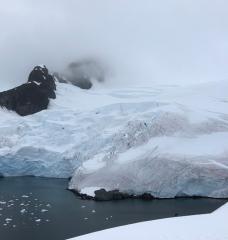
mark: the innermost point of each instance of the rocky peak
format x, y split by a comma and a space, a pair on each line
39, 74
32, 96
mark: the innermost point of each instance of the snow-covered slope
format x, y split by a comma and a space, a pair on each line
166, 140
201, 227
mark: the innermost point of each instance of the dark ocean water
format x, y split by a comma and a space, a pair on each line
42, 209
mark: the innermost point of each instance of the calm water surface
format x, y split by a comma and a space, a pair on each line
42, 209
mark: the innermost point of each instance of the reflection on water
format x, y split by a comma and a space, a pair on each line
42, 209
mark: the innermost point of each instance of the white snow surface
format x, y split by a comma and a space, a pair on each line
199, 227
165, 140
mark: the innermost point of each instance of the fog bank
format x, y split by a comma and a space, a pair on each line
142, 41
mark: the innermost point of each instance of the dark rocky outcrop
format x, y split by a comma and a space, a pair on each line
82, 82
82, 73
31, 97
60, 78
103, 195
44, 80
146, 196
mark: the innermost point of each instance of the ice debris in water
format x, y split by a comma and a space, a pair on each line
23, 211
25, 196
8, 219
23, 205
44, 210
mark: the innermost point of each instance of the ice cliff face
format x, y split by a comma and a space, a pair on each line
165, 140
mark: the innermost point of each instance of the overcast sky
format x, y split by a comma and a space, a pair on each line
167, 41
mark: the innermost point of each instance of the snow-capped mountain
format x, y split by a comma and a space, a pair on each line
165, 140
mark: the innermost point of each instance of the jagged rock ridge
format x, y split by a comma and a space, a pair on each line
33, 96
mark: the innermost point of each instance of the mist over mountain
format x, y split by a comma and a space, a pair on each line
113, 100
142, 41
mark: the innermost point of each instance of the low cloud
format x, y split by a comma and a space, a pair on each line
142, 41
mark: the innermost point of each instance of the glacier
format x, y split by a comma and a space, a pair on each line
165, 140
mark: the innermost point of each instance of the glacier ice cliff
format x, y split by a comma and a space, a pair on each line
164, 140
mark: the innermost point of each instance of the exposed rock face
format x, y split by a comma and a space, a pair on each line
88, 69
44, 80
82, 73
82, 82
60, 78
103, 195
32, 96
146, 196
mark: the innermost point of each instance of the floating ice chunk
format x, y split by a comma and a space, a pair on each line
25, 196
44, 210
8, 219
23, 211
